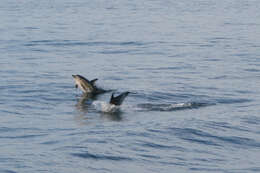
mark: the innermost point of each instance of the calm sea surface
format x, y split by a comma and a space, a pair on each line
192, 67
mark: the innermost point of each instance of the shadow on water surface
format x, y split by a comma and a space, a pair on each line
113, 116
84, 102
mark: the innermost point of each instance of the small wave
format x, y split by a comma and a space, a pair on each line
22, 136
7, 171
88, 155
51, 142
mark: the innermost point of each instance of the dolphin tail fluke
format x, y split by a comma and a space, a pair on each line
118, 100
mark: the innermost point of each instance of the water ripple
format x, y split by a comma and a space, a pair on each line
253, 120
22, 136
63, 43
159, 146
199, 136
231, 100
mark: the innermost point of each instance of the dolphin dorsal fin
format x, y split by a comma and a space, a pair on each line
93, 81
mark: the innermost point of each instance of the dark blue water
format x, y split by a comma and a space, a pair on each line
192, 67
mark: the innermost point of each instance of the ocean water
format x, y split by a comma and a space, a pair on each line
192, 67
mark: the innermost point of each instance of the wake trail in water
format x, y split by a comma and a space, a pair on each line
169, 107
105, 107
109, 108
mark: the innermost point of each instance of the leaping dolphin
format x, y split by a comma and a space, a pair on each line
118, 100
87, 86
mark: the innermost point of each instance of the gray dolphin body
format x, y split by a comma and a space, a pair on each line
87, 86
118, 100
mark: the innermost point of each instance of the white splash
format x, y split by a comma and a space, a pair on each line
181, 105
105, 107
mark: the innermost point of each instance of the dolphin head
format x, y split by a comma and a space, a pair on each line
84, 84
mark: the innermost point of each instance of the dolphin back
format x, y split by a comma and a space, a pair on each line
83, 78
